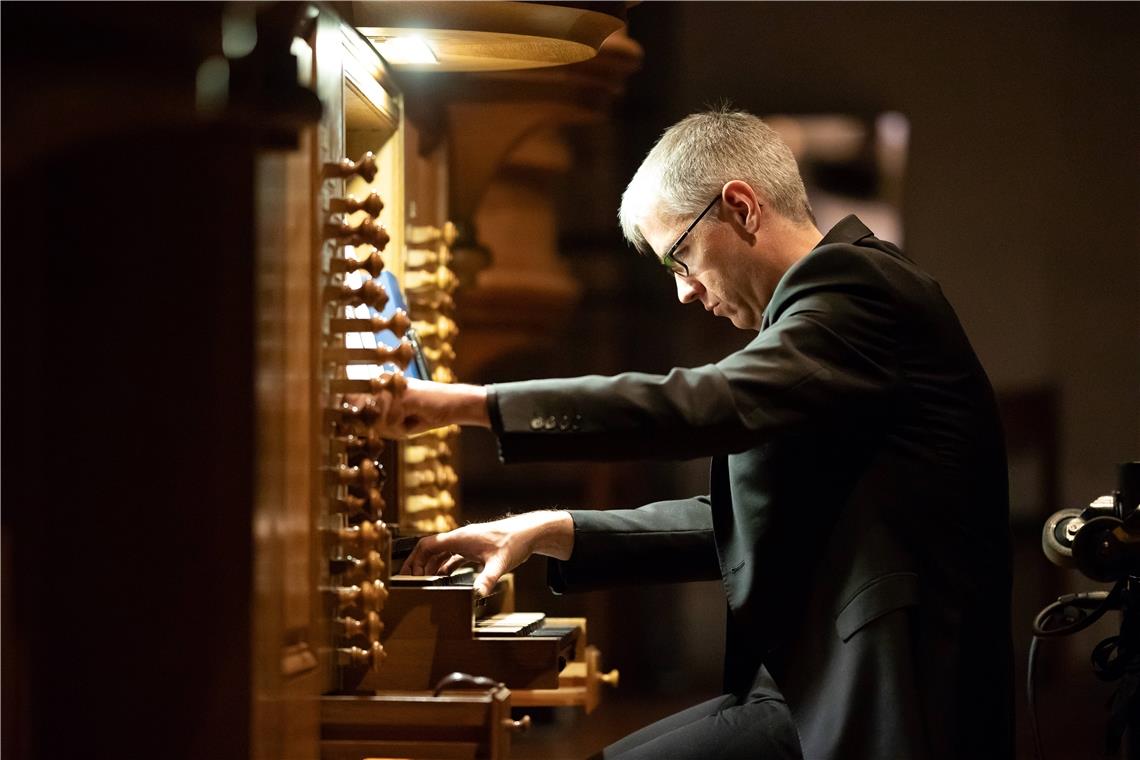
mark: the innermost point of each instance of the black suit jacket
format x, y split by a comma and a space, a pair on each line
858, 508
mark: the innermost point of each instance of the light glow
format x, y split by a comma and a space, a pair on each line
406, 50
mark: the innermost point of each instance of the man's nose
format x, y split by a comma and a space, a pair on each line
688, 290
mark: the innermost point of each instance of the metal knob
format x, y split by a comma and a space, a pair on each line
365, 167
361, 658
373, 264
398, 323
370, 293
368, 232
611, 678
369, 204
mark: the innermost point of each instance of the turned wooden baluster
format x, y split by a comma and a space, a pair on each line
370, 204
445, 353
441, 327
370, 293
427, 259
436, 300
418, 282
392, 382
373, 264
423, 453
401, 355
425, 502
439, 476
426, 236
365, 167
368, 232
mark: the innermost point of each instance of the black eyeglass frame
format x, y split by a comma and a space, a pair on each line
672, 264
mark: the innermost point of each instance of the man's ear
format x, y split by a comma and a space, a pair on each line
744, 206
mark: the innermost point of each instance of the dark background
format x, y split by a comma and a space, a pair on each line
1020, 197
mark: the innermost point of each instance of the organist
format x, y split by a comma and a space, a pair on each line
857, 507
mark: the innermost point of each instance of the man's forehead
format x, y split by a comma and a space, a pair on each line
658, 233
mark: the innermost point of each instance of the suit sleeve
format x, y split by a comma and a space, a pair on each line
663, 542
829, 355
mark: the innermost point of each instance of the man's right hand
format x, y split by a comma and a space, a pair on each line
424, 405
500, 546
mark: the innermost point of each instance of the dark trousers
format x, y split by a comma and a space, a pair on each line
756, 727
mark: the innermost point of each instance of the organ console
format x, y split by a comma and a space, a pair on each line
388, 646
237, 577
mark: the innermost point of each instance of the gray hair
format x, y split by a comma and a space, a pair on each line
694, 159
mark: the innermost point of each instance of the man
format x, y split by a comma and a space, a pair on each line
858, 508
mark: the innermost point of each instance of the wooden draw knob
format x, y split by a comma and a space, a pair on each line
368, 232
361, 658
369, 204
444, 354
370, 293
401, 355
365, 473
365, 166
373, 264
441, 327
390, 382
398, 323
422, 236
442, 279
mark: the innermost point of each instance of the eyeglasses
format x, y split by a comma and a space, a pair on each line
680, 267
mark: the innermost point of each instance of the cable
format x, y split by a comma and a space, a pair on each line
1073, 608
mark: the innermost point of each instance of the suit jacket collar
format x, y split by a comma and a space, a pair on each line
847, 230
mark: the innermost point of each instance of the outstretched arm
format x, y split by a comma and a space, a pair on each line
423, 405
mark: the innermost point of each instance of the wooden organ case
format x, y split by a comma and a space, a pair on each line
197, 552
357, 290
